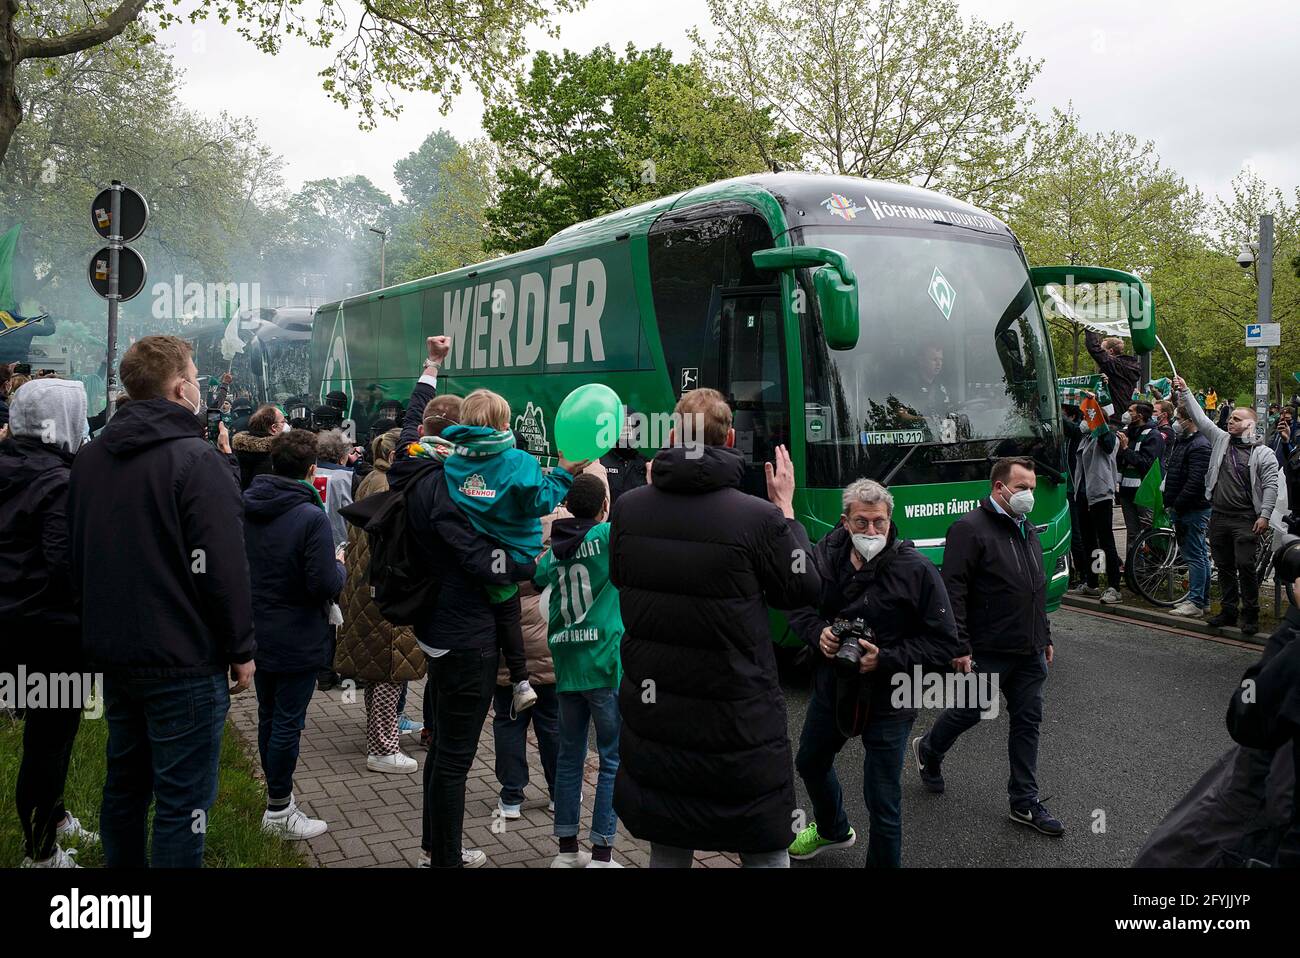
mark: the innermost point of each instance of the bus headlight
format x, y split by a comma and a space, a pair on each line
1062, 568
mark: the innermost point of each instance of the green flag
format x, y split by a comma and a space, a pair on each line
8, 245
1149, 496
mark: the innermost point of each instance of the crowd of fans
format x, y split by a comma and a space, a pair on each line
618, 598
1226, 486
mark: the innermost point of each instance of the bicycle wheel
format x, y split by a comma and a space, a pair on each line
1263, 558
1156, 568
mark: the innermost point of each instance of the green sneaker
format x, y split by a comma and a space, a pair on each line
809, 844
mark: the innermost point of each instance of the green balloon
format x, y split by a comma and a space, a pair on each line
588, 422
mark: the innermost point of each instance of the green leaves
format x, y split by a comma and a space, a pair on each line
583, 134
905, 91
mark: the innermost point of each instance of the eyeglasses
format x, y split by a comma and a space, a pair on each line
863, 524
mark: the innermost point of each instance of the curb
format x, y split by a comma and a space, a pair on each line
1163, 619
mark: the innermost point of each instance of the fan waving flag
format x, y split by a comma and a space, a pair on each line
231, 344
1092, 397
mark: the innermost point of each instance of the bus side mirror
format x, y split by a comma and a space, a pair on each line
834, 283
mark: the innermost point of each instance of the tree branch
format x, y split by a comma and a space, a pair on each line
45, 48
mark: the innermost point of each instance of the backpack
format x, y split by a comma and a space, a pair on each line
401, 579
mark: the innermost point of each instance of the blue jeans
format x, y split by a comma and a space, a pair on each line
1191, 527
282, 700
884, 748
164, 744
510, 736
578, 711
1020, 680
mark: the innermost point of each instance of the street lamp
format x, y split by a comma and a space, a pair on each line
383, 238
1257, 256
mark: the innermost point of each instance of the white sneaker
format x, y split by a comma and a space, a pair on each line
1111, 596
524, 698
1188, 609
572, 860
470, 858
293, 823
62, 858
72, 829
399, 763
1091, 591
596, 863
507, 811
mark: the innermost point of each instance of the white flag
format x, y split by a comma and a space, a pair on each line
231, 344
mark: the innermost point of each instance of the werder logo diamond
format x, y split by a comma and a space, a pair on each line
336, 374
942, 293
531, 424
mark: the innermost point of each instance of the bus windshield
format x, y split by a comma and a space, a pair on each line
280, 367
952, 357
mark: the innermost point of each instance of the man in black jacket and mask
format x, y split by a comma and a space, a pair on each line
867, 573
993, 568
157, 541
704, 749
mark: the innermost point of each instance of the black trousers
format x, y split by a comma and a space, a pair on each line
510, 636
1079, 558
1232, 545
1099, 542
48, 735
457, 693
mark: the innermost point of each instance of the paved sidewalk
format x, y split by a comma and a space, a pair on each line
374, 818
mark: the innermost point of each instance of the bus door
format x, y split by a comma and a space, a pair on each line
751, 374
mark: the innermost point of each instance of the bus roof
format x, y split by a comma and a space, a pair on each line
795, 199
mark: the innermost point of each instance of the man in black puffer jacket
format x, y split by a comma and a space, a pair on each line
157, 543
993, 568
868, 572
705, 752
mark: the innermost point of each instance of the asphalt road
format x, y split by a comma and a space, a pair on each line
1132, 716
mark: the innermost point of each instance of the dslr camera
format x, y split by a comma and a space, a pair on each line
849, 657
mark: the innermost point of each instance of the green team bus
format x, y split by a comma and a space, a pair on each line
876, 330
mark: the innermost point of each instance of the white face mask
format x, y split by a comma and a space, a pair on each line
869, 546
1022, 502
284, 427
197, 406
1126, 418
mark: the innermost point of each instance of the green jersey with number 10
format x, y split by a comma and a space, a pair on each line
584, 625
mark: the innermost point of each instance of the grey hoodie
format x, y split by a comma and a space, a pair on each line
1267, 493
51, 411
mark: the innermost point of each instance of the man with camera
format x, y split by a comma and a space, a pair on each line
883, 610
993, 568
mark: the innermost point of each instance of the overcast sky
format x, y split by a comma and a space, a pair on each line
1212, 83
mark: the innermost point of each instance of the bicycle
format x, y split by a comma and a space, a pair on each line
1156, 568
